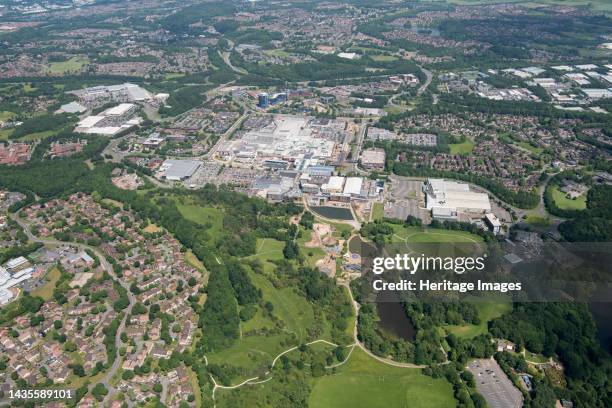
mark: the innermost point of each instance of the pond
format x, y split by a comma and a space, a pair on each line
335, 213
393, 320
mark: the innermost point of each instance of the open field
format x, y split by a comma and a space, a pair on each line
290, 307
253, 352
250, 353
378, 211
487, 311
537, 220
567, 203
152, 229
46, 290
277, 53
461, 148
268, 249
6, 115
384, 58
535, 150
203, 216
6, 133
364, 382
71, 65
535, 358
433, 235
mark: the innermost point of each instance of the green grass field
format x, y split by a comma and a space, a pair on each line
487, 312
6, 133
72, 65
38, 135
537, 220
384, 58
567, 203
46, 290
431, 235
364, 382
378, 211
277, 53
535, 358
6, 115
535, 150
268, 249
290, 307
461, 148
203, 216
255, 352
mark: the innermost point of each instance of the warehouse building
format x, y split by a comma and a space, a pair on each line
454, 196
178, 170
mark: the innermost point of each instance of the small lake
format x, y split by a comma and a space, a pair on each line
394, 321
335, 213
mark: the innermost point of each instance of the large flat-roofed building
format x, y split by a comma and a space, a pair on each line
286, 137
178, 170
352, 186
455, 196
334, 185
373, 159
110, 122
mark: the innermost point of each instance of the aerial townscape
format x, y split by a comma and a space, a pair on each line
191, 194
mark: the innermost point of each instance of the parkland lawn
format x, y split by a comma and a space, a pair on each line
567, 203
202, 216
72, 65
364, 382
461, 148
487, 311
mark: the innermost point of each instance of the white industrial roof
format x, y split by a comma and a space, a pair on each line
107, 130
334, 183
14, 263
5, 296
347, 55
178, 169
586, 66
597, 93
451, 194
119, 109
353, 185
90, 121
